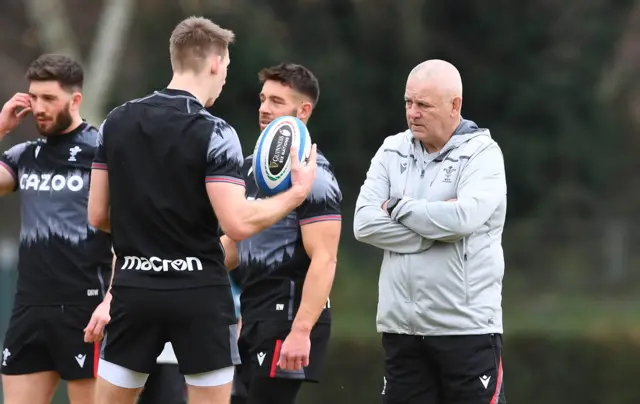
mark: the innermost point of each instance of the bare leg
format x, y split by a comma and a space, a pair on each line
34, 388
210, 395
107, 393
81, 391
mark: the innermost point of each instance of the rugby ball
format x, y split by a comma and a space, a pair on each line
271, 161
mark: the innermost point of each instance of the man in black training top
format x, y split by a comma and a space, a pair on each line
63, 262
166, 175
286, 271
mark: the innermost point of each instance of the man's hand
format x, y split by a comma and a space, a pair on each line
386, 203
94, 331
302, 177
295, 351
13, 112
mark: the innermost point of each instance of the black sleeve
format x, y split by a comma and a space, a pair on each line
100, 158
323, 202
10, 159
224, 155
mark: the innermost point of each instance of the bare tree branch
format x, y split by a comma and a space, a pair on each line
106, 53
621, 70
53, 26
55, 35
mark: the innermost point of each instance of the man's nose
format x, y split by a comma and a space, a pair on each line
37, 107
413, 112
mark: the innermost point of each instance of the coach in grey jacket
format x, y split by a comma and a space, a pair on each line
435, 201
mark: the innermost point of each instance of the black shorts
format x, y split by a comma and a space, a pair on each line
260, 344
443, 370
200, 323
49, 338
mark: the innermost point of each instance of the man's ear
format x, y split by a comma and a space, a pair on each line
457, 105
304, 112
76, 100
215, 62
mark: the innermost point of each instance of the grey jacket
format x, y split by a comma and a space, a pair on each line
443, 262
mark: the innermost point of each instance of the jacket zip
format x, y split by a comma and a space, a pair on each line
420, 165
410, 314
464, 271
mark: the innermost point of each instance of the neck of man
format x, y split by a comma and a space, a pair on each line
190, 83
76, 121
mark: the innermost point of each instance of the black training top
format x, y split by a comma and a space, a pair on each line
273, 264
159, 151
62, 259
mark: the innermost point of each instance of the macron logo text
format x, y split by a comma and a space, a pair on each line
162, 265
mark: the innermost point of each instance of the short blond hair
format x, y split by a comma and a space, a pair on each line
195, 39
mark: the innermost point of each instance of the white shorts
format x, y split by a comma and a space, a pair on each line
129, 379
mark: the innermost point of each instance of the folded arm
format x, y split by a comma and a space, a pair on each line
481, 189
372, 225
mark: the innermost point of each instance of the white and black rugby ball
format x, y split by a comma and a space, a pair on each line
271, 160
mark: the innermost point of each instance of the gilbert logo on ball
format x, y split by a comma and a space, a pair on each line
271, 160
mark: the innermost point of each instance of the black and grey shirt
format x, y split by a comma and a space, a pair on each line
160, 151
62, 259
273, 264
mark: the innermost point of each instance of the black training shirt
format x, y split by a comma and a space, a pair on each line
160, 151
273, 264
62, 260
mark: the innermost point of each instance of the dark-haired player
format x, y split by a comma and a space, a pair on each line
63, 261
286, 271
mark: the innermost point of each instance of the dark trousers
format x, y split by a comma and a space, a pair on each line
465, 369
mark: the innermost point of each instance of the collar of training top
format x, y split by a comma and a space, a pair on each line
63, 137
174, 92
465, 127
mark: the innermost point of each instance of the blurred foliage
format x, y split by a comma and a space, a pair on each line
554, 82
